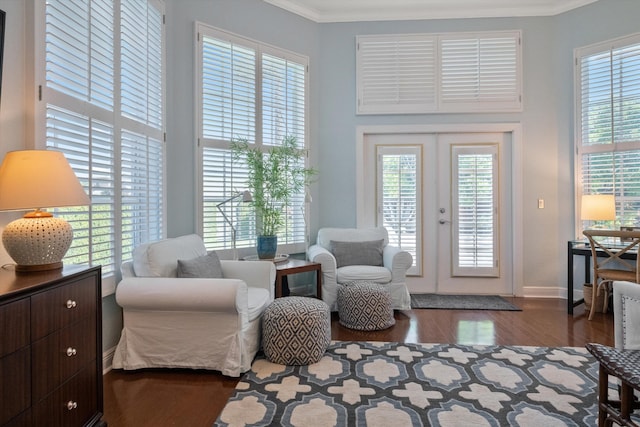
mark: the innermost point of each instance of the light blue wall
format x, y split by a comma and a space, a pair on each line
547, 118
338, 121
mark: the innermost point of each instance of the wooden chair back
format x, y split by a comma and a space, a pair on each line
608, 251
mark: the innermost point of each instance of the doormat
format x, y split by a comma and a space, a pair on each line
462, 302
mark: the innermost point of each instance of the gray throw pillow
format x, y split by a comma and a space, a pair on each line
358, 253
206, 266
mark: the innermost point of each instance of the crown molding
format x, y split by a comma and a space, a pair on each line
354, 11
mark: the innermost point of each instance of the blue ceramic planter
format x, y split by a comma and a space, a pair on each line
267, 247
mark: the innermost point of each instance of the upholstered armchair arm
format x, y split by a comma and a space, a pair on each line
398, 261
126, 269
317, 253
256, 274
176, 294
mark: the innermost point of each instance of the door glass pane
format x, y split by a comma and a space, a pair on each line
398, 196
475, 219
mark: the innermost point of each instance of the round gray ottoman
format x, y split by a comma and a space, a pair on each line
296, 330
365, 306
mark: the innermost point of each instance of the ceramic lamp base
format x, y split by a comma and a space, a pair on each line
37, 244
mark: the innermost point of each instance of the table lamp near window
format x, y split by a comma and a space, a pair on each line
598, 207
36, 179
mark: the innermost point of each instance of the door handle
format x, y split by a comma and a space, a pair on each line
444, 221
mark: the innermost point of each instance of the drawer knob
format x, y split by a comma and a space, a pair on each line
71, 304
71, 405
71, 351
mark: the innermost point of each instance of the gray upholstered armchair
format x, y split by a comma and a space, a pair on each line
364, 254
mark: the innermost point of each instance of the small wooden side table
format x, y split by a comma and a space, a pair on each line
293, 266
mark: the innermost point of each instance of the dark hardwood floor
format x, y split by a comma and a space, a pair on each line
195, 398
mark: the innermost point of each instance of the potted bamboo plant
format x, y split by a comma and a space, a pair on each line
275, 175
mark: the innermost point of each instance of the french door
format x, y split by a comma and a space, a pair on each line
454, 216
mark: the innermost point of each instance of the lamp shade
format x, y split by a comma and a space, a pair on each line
598, 207
32, 179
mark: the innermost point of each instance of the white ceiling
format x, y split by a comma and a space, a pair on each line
389, 10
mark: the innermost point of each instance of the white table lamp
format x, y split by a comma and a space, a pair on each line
598, 207
36, 179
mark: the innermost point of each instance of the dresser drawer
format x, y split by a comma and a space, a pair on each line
62, 306
15, 388
61, 354
14, 326
73, 404
24, 420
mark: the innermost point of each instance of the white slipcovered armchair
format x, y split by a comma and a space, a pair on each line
345, 253
199, 323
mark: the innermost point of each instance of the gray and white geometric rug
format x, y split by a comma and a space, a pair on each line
398, 384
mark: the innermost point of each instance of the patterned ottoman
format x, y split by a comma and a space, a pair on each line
296, 330
365, 306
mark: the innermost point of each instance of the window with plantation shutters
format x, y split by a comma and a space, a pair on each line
141, 68
228, 88
283, 98
142, 190
103, 104
77, 135
399, 189
475, 219
608, 127
480, 73
258, 93
396, 74
439, 73
223, 178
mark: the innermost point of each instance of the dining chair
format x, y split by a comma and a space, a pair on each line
612, 252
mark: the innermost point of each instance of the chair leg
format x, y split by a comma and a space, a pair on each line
606, 284
594, 291
605, 288
603, 395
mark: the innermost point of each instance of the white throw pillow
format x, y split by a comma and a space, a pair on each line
631, 322
160, 259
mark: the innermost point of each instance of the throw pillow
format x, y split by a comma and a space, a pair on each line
358, 253
206, 266
630, 320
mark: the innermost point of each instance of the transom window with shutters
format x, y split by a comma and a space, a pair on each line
439, 73
101, 80
250, 91
608, 125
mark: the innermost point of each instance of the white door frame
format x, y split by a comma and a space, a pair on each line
365, 219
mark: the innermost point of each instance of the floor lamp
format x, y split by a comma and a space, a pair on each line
246, 197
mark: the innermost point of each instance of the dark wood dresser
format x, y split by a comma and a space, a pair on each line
51, 348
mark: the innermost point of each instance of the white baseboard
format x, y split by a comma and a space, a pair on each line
107, 360
546, 292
